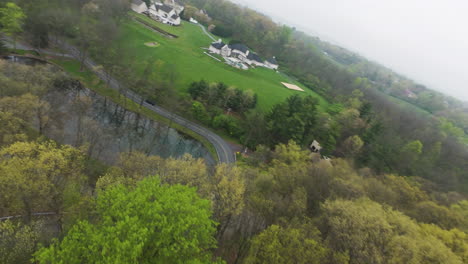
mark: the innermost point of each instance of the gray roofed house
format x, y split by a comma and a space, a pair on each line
218, 45
165, 14
254, 57
177, 5
220, 48
239, 47
179, 2
165, 8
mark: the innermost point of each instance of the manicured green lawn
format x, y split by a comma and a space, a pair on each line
191, 64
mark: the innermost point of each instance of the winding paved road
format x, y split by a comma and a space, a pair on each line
223, 150
207, 33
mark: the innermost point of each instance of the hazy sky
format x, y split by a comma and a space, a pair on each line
426, 40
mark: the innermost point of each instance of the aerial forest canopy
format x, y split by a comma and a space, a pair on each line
389, 186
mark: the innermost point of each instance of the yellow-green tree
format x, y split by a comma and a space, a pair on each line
11, 20
39, 176
12, 129
227, 194
372, 233
287, 245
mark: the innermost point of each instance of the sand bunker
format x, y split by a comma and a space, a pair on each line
292, 87
151, 44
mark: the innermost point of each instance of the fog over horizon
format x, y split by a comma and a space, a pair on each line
424, 40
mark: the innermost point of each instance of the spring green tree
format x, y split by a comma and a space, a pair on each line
39, 177
11, 20
152, 223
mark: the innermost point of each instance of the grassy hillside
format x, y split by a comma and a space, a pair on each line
191, 64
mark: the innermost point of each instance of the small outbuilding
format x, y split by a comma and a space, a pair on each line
315, 146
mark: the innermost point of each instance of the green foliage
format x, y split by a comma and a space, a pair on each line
375, 234
287, 245
199, 112
3, 48
223, 31
222, 96
18, 241
413, 148
11, 19
153, 223
39, 176
229, 124
12, 129
293, 120
352, 146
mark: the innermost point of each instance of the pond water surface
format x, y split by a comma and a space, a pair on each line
80, 117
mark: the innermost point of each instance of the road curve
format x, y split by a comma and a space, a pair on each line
223, 150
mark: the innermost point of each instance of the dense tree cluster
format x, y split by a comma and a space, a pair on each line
216, 104
150, 223
281, 204
224, 97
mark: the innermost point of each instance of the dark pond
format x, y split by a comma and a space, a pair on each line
81, 117
24, 60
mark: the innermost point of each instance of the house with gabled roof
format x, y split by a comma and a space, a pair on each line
240, 51
176, 4
219, 47
254, 59
139, 6
165, 14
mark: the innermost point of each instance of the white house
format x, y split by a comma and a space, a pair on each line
220, 48
165, 14
176, 4
315, 146
241, 55
139, 6
272, 63
194, 21
240, 51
